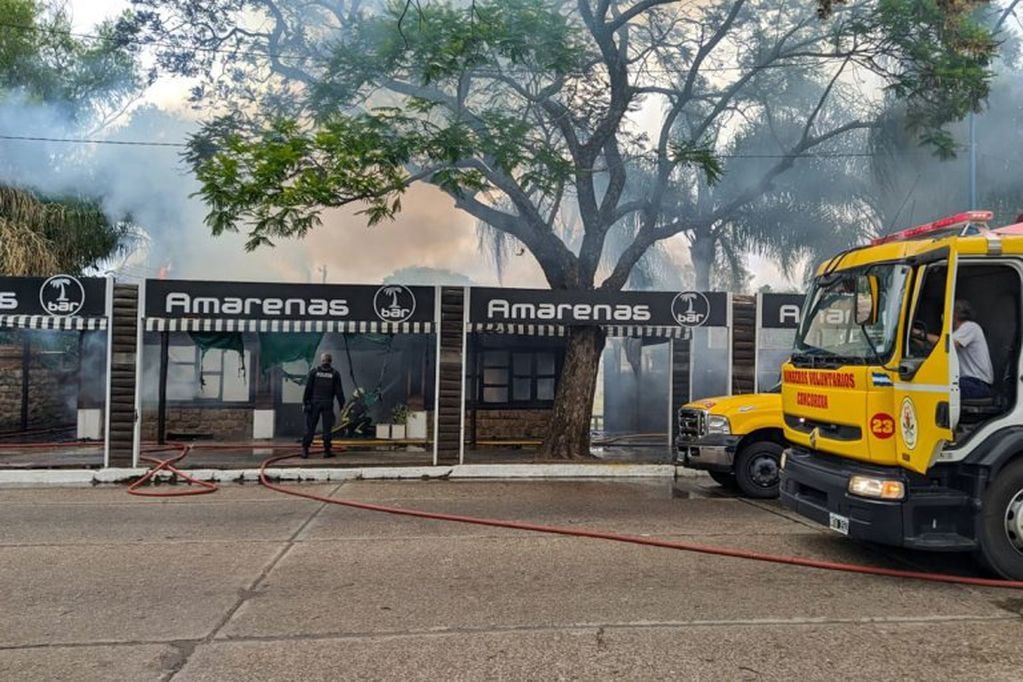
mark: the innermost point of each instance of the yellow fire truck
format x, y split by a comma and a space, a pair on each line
884, 445
736, 439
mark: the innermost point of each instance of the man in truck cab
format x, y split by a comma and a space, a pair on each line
976, 375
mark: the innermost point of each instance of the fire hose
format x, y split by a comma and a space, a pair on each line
168, 465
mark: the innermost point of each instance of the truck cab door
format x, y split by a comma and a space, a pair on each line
926, 393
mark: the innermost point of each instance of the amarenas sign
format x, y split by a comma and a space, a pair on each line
584, 308
781, 311
185, 299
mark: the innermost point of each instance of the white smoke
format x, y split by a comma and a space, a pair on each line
149, 183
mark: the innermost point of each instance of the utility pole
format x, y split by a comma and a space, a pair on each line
323, 271
973, 161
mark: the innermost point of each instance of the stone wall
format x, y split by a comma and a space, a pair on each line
508, 424
52, 392
223, 423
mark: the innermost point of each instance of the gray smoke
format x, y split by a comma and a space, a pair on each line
149, 184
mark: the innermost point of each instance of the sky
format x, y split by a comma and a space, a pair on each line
429, 232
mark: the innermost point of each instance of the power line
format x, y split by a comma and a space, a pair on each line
324, 61
79, 140
143, 143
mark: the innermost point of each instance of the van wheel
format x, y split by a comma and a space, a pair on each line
757, 469
725, 479
1001, 523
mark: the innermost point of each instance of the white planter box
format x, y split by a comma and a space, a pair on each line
90, 424
383, 431
397, 431
416, 426
263, 424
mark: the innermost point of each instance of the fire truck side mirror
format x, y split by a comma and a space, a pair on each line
866, 300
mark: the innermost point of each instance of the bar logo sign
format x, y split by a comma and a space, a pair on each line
62, 295
57, 296
394, 303
691, 309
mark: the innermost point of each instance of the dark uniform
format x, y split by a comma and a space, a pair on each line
322, 386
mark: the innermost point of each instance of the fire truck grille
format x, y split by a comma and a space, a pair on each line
691, 424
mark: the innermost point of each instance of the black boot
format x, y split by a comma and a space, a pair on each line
305, 452
327, 454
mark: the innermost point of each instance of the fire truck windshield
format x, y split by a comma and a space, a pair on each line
831, 332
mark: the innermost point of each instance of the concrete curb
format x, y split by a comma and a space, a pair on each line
58, 477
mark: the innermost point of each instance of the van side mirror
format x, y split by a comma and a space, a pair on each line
867, 301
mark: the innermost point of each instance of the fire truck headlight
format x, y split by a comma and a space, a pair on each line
717, 424
878, 488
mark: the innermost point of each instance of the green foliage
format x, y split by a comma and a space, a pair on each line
42, 61
699, 156
40, 236
944, 57
494, 102
86, 80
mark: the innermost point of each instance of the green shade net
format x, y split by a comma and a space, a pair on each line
207, 341
278, 348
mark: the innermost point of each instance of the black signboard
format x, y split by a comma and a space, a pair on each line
584, 308
187, 299
57, 296
780, 311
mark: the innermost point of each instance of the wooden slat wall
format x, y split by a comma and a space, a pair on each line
452, 302
679, 380
122, 374
744, 338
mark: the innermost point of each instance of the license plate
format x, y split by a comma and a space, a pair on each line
838, 523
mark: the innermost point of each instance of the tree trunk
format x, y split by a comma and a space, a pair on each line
702, 252
569, 434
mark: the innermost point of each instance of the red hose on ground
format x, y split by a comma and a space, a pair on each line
264, 480
205, 487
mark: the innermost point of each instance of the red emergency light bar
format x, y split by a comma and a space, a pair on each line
949, 224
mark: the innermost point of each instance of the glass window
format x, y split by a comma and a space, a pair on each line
518, 377
545, 364
292, 391
928, 309
495, 395
495, 376
495, 358
829, 330
523, 389
218, 375
545, 389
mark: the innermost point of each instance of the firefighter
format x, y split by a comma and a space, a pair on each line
322, 386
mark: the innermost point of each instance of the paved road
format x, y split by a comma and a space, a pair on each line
248, 584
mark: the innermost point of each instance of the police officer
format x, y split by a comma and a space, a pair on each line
322, 386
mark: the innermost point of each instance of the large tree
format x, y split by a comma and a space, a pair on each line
47, 72
519, 108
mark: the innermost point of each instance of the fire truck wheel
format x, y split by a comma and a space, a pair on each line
1001, 523
725, 479
757, 468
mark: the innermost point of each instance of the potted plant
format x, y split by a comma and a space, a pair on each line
399, 417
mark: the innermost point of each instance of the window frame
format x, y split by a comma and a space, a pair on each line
201, 401
533, 375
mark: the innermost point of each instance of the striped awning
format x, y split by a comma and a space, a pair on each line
159, 324
561, 330
53, 322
